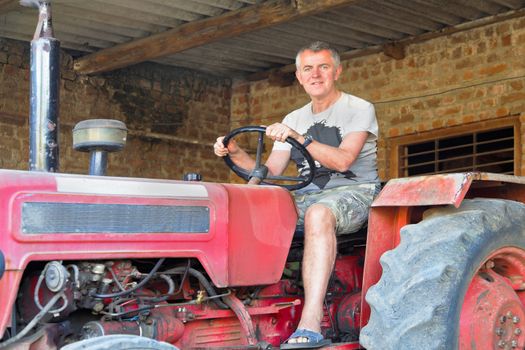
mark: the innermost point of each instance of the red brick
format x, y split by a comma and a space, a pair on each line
452, 122
513, 97
467, 119
468, 75
506, 40
433, 102
502, 28
449, 99
422, 127
489, 102
464, 63
436, 124
457, 53
519, 24
465, 95
393, 132
408, 130
517, 85
502, 112
491, 70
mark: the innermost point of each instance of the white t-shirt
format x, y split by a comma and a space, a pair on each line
349, 113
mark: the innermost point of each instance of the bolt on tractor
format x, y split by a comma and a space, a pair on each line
97, 262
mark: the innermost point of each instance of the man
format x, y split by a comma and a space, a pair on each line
340, 132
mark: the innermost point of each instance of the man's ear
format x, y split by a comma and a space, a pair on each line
338, 72
298, 76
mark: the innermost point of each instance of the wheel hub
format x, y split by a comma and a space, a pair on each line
493, 315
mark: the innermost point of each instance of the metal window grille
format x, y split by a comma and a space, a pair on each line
487, 151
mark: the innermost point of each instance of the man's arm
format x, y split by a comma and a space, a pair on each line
339, 158
335, 158
277, 162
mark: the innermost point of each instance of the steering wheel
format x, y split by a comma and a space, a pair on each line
260, 172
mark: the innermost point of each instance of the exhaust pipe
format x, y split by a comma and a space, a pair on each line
44, 92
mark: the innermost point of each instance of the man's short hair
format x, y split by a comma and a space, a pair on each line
317, 46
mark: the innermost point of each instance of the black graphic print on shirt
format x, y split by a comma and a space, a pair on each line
329, 135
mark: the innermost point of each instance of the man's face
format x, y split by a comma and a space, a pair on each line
317, 73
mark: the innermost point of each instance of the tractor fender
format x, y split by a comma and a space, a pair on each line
425, 190
446, 189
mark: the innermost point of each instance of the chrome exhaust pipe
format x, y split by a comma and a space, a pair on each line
44, 92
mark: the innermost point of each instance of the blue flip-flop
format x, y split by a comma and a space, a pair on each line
315, 340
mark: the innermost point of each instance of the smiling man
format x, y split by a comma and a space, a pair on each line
340, 132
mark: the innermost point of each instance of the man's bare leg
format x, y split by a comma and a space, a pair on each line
318, 261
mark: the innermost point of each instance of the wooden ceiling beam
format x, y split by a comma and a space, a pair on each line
197, 33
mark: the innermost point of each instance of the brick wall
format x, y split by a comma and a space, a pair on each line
173, 116
469, 76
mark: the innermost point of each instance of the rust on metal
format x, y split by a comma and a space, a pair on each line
437, 189
425, 190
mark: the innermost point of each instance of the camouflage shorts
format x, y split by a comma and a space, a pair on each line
349, 204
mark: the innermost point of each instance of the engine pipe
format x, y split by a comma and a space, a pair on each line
44, 93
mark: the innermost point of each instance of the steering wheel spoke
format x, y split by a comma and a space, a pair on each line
260, 149
260, 171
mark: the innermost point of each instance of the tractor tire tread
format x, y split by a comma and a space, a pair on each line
425, 274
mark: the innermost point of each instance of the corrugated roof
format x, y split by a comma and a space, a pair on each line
262, 41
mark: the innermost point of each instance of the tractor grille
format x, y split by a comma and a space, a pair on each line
61, 218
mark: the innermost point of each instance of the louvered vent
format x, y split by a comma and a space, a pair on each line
487, 151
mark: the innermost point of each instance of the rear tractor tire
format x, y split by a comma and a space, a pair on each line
456, 281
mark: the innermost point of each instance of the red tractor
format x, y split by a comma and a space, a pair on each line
96, 262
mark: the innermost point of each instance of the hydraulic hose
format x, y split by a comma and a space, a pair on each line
171, 290
202, 279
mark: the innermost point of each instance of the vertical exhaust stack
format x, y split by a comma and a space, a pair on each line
44, 92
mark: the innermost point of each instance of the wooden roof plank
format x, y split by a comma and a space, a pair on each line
314, 28
223, 4
133, 28
201, 32
255, 54
8, 5
421, 8
382, 20
513, 4
336, 27
359, 25
401, 13
129, 13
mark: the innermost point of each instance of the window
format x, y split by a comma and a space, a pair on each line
487, 146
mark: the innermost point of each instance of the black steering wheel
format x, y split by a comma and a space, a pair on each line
260, 172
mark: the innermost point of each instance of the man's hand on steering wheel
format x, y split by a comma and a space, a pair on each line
280, 132
220, 150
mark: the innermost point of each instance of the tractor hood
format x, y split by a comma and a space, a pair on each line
241, 234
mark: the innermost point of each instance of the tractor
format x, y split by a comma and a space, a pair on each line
97, 262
